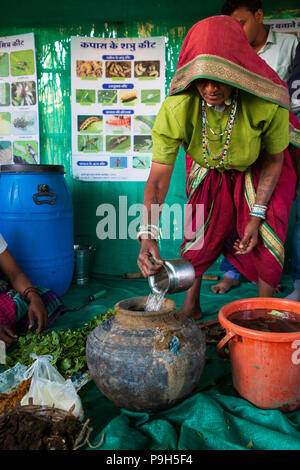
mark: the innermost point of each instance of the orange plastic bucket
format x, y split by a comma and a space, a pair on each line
265, 365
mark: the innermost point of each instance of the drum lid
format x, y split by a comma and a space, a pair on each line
31, 168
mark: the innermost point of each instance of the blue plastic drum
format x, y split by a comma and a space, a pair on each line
36, 220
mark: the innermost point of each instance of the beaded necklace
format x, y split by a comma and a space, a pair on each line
228, 129
218, 134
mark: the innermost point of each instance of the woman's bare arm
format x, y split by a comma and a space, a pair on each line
20, 282
155, 193
270, 173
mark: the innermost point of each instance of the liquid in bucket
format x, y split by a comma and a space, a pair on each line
273, 321
262, 335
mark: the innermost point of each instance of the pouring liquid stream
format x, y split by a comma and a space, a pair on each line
154, 302
156, 297
174, 276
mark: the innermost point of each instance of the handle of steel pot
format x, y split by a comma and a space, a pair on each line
44, 191
223, 343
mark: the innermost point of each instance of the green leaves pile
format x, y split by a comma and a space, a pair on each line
67, 347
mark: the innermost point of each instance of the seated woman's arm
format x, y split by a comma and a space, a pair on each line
20, 283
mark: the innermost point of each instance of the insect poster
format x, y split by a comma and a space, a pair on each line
118, 85
19, 121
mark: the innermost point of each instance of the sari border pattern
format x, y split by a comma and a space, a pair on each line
270, 239
294, 135
196, 176
214, 67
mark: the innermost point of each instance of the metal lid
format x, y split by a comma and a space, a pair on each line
29, 168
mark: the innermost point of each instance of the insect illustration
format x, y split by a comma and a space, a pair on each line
21, 65
117, 141
129, 97
32, 152
23, 93
88, 122
119, 121
88, 143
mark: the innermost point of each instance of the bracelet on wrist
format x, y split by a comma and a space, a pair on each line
148, 229
258, 210
28, 290
257, 214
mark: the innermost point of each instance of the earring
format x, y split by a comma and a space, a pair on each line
228, 101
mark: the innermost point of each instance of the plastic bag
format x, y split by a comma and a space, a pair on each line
11, 378
48, 387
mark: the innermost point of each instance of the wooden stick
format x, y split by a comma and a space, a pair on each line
208, 323
133, 275
210, 277
205, 277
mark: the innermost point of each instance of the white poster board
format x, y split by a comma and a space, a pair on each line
118, 85
19, 119
285, 25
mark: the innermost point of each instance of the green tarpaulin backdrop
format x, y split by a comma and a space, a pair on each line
214, 417
53, 24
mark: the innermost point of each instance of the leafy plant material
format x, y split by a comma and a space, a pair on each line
67, 347
277, 314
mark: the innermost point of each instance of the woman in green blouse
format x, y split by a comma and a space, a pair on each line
229, 111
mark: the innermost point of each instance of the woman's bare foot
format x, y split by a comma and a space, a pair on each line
225, 285
191, 306
194, 313
264, 289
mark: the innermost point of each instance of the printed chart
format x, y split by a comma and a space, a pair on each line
19, 121
118, 86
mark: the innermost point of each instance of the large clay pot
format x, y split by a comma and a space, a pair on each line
146, 361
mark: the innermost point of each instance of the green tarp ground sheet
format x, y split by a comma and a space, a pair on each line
214, 417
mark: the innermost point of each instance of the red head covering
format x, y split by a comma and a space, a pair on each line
218, 48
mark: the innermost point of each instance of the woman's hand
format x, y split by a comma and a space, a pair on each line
37, 310
149, 250
20, 282
249, 240
270, 173
7, 335
155, 192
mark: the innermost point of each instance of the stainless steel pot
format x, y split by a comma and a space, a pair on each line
176, 275
84, 257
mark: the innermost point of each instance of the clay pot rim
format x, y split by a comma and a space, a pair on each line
169, 306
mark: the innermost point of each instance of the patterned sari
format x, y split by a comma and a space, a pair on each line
14, 308
217, 48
